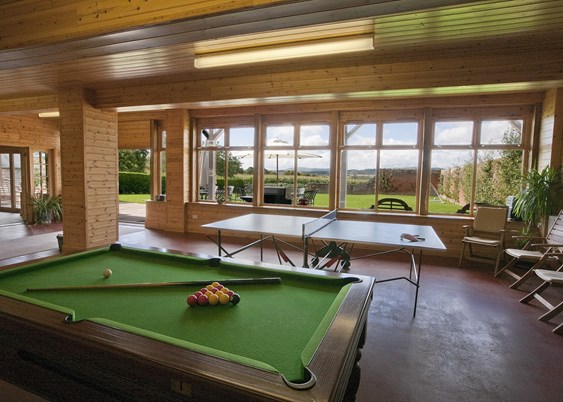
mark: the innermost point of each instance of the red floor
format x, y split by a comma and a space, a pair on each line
471, 339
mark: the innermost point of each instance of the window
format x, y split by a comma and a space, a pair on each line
379, 161
477, 161
41, 172
226, 164
297, 164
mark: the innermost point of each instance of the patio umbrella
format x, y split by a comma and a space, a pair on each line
284, 154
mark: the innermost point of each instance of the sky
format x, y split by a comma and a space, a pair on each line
395, 134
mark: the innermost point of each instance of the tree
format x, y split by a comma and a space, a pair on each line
234, 165
134, 160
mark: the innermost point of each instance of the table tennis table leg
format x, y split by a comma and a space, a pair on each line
221, 249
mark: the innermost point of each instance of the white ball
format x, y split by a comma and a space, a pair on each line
107, 273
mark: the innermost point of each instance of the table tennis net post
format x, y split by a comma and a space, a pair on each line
310, 228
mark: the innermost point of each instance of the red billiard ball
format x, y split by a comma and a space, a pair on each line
230, 293
202, 300
197, 294
192, 300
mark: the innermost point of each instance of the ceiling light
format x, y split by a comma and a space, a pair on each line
49, 114
286, 52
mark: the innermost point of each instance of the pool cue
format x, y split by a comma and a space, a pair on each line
241, 281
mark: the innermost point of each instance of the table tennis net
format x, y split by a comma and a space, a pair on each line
310, 228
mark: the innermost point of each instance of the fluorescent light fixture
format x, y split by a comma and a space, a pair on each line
49, 114
286, 52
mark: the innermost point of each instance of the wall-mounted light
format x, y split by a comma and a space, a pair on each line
348, 45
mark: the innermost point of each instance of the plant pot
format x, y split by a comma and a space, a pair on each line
60, 241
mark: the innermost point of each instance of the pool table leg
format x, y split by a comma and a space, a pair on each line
356, 374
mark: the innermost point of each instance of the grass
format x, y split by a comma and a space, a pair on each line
134, 198
362, 201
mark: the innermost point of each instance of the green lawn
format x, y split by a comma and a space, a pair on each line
134, 198
367, 200
352, 201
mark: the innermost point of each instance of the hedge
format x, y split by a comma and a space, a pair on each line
136, 183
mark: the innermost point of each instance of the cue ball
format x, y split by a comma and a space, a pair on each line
107, 273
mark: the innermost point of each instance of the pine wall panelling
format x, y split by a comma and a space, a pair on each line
89, 160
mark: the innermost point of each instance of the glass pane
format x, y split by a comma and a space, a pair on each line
5, 181
207, 165
17, 179
241, 178
212, 137
313, 177
278, 166
241, 137
400, 133
163, 139
453, 133
452, 175
358, 179
277, 136
163, 172
397, 179
501, 132
498, 175
317, 135
360, 134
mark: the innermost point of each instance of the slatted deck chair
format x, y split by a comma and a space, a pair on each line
550, 278
543, 252
308, 197
393, 204
487, 231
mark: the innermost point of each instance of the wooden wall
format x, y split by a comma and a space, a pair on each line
551, 134
134, 134
29, 131
37, 134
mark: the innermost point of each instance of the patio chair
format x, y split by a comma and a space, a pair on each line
393, 204
550, 278
487, 231
542, 252
308, 197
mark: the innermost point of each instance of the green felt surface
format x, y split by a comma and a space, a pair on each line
274, 327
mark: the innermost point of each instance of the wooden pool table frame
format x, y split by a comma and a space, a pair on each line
123, 366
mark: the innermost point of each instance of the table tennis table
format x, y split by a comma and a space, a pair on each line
338, 238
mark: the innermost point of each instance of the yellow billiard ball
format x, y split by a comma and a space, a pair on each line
107, 273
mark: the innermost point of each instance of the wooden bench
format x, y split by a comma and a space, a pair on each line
393, 204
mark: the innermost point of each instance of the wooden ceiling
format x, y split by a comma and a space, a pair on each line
411, 38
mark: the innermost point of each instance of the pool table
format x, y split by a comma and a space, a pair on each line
295, 340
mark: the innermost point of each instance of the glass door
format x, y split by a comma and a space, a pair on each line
10, 180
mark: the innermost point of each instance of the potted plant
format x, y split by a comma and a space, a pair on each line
538, 198
46, 208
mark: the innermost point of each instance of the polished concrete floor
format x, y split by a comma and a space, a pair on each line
471, 339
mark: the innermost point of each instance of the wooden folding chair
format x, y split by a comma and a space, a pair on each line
542, 252
549, 278
487, 231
